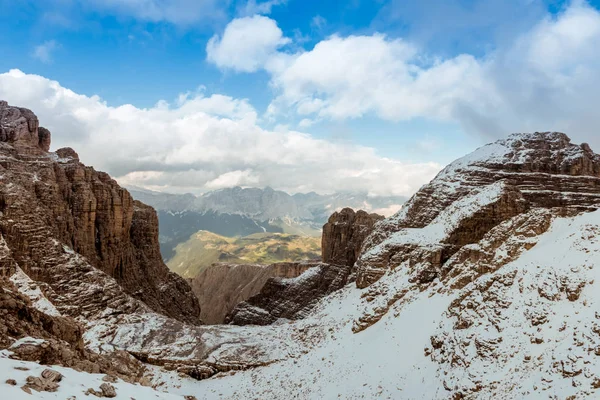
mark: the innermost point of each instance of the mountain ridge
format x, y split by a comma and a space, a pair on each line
242, 211
485, 285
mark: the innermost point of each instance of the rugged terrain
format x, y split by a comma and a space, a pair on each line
484, 286
344, 235
222, 286
59, 218
205, 248
258, 294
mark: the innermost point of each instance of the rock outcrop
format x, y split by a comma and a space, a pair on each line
539, 170
32, 335
52, 205
222, 286
344, 234
291, 299
20, 127
282, 297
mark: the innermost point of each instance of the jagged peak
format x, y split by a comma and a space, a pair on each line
528, 151
20, 127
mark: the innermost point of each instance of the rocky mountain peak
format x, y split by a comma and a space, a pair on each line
536, 170
20, 127
72, 228
344, 234
549, 152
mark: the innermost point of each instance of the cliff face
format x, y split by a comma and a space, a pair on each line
222, 286
344, 234
290, 298
280, 296
525, 171
51, 204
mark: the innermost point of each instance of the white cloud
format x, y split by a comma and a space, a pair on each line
265, 7
306, 123
246, 44
546, 78
43, 52
318, 22
204, 142
234, 178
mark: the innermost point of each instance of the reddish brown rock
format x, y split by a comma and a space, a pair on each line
20, 128
344, 234
53, 208
19, 319
53, 340
222, 286
280, 291
543, 170
290, 298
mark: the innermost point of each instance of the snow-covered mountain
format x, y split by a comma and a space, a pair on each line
485, 285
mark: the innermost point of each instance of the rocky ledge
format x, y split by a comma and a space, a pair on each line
290, 299
344, 234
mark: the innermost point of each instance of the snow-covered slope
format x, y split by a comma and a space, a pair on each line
485, 286
529, 329
72, 386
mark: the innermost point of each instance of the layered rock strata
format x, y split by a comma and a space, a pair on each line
539, 170
222, 286
53, 208
344, 234
294, 298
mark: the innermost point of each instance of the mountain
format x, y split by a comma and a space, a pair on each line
206, 248
486, 285
177, 227
294, 296
222, 286
243, 211
61, 221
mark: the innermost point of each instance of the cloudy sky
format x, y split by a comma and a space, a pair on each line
374, 96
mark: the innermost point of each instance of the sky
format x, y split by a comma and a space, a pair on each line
327, 96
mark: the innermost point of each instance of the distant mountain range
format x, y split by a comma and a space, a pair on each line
243, 211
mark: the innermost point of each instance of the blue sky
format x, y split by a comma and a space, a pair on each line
442, 54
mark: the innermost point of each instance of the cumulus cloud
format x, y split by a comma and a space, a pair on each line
204, 142
545, 78
44, 51
247, 44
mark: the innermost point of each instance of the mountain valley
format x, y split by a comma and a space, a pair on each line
485, 284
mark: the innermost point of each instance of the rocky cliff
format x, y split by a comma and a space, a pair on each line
52, 205
525, 171
222, 286
485, 286
344, 234
46, 337
290, 298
